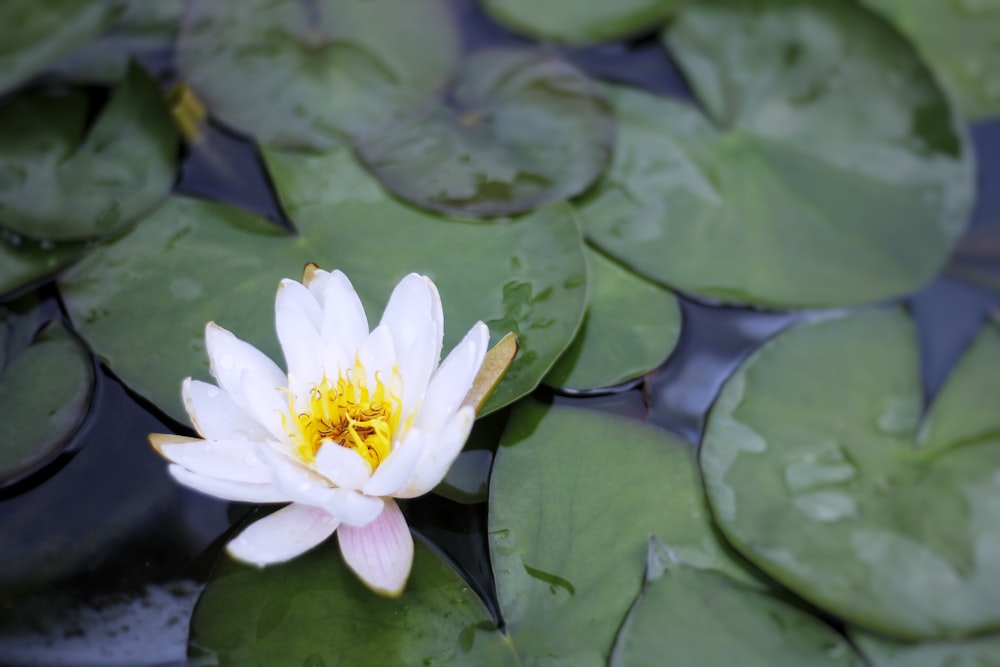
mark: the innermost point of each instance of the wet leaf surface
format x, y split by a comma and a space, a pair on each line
517, 130
688, 616
983, 651
307, 73
819, 470
60, 180
630, 328
574, 22
574, 497
23, 264
195, 261
829, 170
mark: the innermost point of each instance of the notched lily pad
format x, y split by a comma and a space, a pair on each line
574, 22
830, 168
305, 74
518, 129
62, 181
630, 328
688, 616
819, 470
46, 382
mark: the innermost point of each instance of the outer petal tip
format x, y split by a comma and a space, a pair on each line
380, 553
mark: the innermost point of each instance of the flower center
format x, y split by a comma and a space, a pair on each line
348, 413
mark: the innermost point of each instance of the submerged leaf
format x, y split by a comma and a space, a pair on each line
574, 22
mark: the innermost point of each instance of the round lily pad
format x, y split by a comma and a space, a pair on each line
518, 129
574, 497
194, 261
819, 470
959, 38
971, 652
46, 382
305, 74
35, 33
60, 180
830, 168
687, 616
574, 22
630, 328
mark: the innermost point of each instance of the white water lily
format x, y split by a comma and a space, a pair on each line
361, 418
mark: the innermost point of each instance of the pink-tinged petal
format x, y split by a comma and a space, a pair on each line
297, 318
342, 466
453, 379
439, 454
230, 358
234, 460
377, 355
344, 318
227, 489
398, 467
300, 484
283, 535
267, 404
380, 553
215, 415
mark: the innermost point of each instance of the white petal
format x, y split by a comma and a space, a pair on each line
453, 379
342, 465
302, 485
229, 357
227, 490
381, 553
398, 467
234, 460
378, 355
344, 318
439, 454
283, 535
414, 312
267, 404
215, 415
297, 319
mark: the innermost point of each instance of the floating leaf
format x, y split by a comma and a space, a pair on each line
687, 616
62, 182
304, 74
23, 264
35, 33
194, 261
817, 472
46, 381
830, 169
972, 652
518, 130
959, 38
630, 328
574, 22
574, 497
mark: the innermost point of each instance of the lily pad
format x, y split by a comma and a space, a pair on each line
305, 74
60, 181
24, 264
830, 169
959, 38
818, 471
194, 261
981, 651
687, 616
35, 33
46, 382
574, 497
574, 22
519, 129
630, 328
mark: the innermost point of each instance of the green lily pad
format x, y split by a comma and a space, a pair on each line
24, 264
194, 261
574, 497
46, 382
830, 170
687, 616
519, 129
817, 471
630, 328
305, 74
959, 38
59, 181
35, 33
981, 651
574, 22
314, 611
